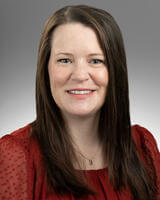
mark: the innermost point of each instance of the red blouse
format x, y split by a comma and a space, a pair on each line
21, 178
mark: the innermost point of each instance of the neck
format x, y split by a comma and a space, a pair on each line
83, 130
85, 138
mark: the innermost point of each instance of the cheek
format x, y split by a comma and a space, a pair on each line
58, 76
101, 77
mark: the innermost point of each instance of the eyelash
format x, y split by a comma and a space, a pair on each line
101, 61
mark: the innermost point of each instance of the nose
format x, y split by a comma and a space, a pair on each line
80, 71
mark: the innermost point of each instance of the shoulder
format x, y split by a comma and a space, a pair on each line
17, 143
18, 139
144, 138
148, 150
14, 147
16, 166
21, 133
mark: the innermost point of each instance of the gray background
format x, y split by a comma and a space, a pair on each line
21, 26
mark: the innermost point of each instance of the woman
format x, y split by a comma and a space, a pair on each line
82, 144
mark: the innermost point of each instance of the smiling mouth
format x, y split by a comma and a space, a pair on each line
80, 91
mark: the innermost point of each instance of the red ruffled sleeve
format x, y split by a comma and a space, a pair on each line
16, 168
149, 152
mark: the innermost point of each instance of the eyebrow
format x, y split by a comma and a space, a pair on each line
91, 54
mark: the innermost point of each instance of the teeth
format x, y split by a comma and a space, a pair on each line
80, 92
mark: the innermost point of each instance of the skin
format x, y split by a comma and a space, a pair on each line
78, 70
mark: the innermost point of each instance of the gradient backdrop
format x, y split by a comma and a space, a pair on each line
21, 26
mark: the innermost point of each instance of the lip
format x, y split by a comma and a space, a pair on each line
81, 89
81, 96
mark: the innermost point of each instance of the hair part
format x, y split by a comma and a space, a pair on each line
50, 129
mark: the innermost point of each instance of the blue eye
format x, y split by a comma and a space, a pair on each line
66, 60
63, 60
97, 61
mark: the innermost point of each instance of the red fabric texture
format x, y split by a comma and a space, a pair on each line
21, 177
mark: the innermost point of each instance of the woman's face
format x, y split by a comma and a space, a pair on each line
77, 73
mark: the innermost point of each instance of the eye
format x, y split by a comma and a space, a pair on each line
64, 60
96, 61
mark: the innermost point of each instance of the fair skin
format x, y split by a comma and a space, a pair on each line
76, 69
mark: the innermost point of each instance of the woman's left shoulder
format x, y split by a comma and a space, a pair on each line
148, 151
144, 138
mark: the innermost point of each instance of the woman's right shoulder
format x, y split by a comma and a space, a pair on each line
16, 139
17, 143
20, 133
16, 164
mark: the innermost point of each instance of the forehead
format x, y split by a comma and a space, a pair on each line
74, 36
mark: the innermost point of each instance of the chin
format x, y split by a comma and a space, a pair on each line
82, 113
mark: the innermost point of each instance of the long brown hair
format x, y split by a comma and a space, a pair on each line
125, 168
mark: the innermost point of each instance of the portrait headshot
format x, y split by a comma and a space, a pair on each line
80, 101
